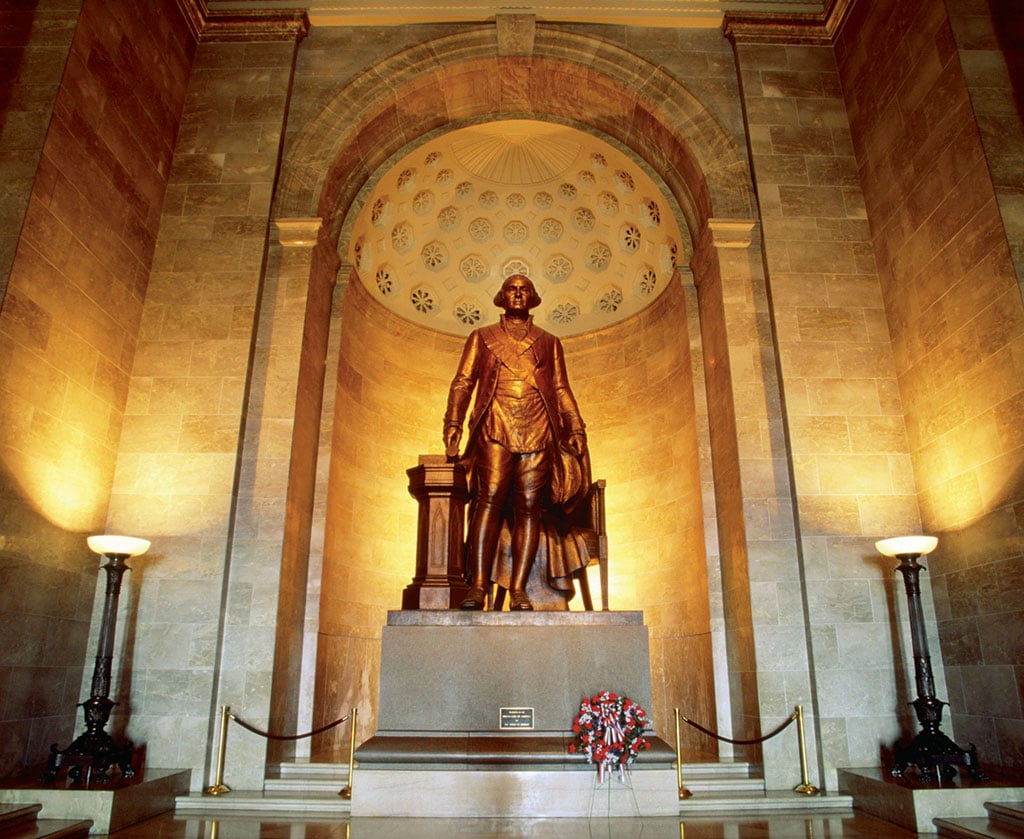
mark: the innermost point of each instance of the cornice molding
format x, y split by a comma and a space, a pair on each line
194, 12
253, 25
757, 28
816, 29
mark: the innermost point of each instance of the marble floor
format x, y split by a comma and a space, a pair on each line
853, 826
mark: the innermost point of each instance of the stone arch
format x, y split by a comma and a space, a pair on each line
462, 78
568, 77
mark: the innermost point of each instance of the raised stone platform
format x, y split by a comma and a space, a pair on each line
451, 671
110, 806
446, 677
915, 805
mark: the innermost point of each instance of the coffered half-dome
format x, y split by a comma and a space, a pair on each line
447, 224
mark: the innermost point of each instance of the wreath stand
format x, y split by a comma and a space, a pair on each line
614, 797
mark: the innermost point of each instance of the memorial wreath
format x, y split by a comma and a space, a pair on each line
609, 731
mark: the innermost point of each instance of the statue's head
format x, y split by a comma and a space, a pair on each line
521, 281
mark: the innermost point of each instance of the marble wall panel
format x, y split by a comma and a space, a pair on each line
950, 278
845, 431
87, 225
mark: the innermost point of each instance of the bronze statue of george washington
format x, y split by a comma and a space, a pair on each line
526, 449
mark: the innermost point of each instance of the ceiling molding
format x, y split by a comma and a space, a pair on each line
653, 13
762, 27
245, 22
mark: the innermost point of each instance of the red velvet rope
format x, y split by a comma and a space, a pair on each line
768, 736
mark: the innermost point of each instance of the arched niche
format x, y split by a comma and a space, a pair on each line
569, 78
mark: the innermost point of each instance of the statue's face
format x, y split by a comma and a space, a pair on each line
516, 295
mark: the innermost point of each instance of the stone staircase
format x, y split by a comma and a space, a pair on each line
1005, 821
301, 789
734, 789
20, 821
311, 791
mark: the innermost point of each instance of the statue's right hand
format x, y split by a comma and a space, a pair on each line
452, 436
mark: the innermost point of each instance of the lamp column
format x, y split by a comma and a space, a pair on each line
95, 750
930, 749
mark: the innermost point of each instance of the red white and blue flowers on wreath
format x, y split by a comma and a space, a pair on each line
609, 731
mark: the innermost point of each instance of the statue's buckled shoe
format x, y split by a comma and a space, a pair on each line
474, 599
519, 602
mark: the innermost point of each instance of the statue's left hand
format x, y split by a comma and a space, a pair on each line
576, 443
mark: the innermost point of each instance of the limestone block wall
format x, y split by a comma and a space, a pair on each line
845, 428
68, 327
932, 188
33, 54
989, 44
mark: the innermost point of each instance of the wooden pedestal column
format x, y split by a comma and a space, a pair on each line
440, 488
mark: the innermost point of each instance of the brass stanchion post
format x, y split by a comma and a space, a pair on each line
683, 791
219, 787
805, 785
346, 793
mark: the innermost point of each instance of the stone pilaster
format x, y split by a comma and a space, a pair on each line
767, 648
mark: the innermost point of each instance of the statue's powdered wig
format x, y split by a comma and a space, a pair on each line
534, 301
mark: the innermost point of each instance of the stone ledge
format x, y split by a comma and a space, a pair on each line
477, 751
110, 806
915, 805
455, 617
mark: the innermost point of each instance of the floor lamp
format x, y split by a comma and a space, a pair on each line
930, 749
95, 750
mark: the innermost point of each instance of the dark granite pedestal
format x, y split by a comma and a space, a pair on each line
450, 680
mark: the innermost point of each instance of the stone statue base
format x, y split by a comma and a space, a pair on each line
446, 678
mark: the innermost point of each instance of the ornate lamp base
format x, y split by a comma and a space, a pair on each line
932, 750
94, 751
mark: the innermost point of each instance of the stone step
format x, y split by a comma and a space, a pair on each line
332, 777
723, 784
1008, 814
50, 829
291, 779
12, 815
737, 776
730, 804
311, 790
974, 828
297, 784
1005, 821
308, 805
20, 821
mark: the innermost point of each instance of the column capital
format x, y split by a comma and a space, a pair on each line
298, 232
731, 233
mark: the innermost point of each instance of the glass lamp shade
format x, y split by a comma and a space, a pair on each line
117, 545
907, 545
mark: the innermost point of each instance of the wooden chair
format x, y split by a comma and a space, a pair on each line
596, 537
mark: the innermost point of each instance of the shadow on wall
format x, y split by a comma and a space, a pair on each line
47, 590
1008, 22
